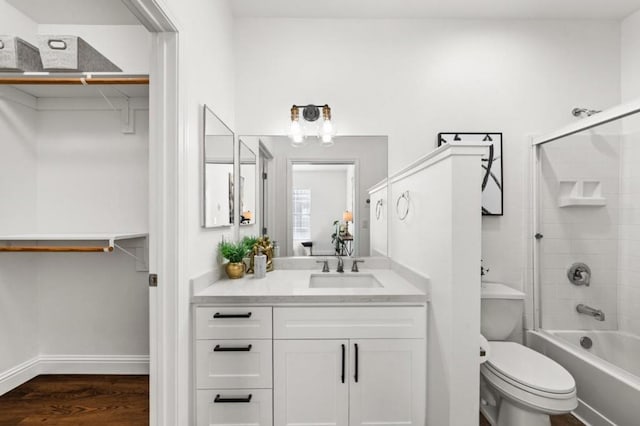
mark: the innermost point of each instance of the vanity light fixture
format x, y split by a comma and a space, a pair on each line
325, 131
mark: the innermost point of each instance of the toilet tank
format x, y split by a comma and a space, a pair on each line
501, 309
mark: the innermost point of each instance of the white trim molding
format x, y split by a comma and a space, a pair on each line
73, 364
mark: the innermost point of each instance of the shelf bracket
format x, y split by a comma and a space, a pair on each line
128, 117
140, 255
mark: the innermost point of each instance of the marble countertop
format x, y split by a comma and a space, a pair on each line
292, 286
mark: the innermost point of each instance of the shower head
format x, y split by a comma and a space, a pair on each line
578, 112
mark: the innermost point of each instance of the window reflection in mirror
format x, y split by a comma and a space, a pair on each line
306, 189
218, 178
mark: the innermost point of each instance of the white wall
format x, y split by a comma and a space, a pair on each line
630, 60
207, 77
206, 70
92, 178
414, 78
18, 277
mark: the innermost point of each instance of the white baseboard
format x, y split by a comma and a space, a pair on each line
14, 377
72, 364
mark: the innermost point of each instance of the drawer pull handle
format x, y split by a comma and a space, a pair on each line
221, 400
218, 315
343, 361
219, 348
355, 376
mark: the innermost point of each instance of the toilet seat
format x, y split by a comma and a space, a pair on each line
530, 378
529, 370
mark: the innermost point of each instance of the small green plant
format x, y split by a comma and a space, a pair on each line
232, 251
249, 241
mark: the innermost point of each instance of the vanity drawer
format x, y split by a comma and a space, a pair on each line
350, 322
233, 323
233, 364
249, 407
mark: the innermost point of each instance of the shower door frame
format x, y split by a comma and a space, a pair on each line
612, 114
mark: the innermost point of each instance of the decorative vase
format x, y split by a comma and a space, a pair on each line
234, 269
263, 246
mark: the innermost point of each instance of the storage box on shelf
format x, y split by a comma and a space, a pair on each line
17, 55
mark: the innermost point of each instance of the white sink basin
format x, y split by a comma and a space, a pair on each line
343, 281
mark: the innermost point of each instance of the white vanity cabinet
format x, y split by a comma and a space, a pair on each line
233, 366
312, 365
350, 365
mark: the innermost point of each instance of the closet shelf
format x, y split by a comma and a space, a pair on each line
109, 242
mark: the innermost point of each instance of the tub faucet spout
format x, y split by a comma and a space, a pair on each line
588, 310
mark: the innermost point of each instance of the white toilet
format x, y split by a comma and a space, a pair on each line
518, 386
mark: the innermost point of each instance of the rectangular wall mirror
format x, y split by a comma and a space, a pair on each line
307, 194
218, 181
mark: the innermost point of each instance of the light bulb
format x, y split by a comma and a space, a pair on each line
295, 132
327, 127
327, 139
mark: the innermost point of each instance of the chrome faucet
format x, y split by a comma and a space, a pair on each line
354, 267
340, 267
325, 265
588, 310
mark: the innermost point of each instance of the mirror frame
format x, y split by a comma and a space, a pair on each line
203, 170
255, 180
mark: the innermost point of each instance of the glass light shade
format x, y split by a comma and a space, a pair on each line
295, 133
327, 132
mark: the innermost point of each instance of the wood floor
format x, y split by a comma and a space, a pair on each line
86, 400
78, 400
564, 420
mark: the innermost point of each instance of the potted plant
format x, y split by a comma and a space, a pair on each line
337, 238
234, 253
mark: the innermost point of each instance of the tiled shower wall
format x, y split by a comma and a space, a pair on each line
587, 234
629, 230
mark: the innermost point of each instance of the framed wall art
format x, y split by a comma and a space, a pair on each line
492, 193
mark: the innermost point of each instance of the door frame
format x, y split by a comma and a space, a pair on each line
166, 237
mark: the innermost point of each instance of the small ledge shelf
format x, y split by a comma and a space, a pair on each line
92, 243
581, 193
582, 201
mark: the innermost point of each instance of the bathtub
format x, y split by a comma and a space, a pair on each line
607, 375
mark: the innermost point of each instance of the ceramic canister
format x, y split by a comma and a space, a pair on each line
260, 266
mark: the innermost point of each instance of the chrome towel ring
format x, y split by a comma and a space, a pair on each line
379, 208
402, 208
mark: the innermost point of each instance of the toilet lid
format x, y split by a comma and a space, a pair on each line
530, 368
